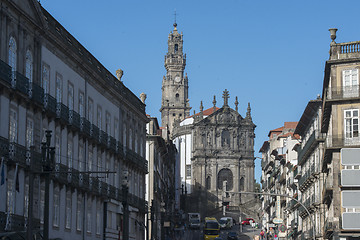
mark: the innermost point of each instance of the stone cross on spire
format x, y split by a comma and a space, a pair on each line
226, 97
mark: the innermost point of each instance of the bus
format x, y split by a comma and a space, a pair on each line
211, 228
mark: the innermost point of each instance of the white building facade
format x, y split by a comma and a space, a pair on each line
49, 81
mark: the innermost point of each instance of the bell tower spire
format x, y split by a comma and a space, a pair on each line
174, 101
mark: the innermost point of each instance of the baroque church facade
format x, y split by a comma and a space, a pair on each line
215, 146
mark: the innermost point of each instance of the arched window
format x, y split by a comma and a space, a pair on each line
12, 55
29, 66
177, 97
176, 48
225, 174
208, 183
225, 138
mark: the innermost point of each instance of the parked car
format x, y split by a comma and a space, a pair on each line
232, 236
247, 221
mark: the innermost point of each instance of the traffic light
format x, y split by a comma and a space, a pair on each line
227, 207
225, 203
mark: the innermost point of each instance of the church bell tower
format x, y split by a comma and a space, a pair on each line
174, 101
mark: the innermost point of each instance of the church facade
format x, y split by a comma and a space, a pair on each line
215, 146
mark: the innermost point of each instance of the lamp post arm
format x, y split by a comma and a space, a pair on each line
287, 196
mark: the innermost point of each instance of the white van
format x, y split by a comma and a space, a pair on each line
226, 222
194, 220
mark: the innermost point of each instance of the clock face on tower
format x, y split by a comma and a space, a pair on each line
177, 79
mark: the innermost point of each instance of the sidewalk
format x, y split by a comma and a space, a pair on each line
250, 232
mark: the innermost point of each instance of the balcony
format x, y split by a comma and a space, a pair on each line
339, 141
4, 147
310, 144
103, 138
50, 104
343, 92
74, 120
120, 150
62, 113
103, 186
85, 127
306, 180
34, 159
16, 223
17, 153
329, 227
20, 83
5, 72
94, 132
136, 159
112, 144
36, 93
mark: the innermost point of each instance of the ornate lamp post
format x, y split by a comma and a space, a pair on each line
125, 191
48, 154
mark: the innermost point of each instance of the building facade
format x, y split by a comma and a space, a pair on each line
279, 160
219, 145
310, 184
340, 123
50, 82
160, 181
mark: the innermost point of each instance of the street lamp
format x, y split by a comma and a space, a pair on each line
48, 154
125, 191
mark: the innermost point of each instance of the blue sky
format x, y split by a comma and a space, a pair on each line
269, 53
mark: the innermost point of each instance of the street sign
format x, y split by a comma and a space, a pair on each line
277, 220
282, 228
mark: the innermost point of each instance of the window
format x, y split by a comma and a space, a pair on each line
107, 168
90, 110
79, 213
42, 202
57, 146
29, 66
176, 48
58, 83
188, 171
68, 210
90, 160
26, 197
108, 123
10, 192
351, 123
98, 218
116, 128
29, 133
13, 125
99, 162
116, 174
88, 216
130, 139
81, 157
70, 153
81, 104
56, 210
46, 78
99, 120
12, 55
70, 97
124, 134
351, 83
